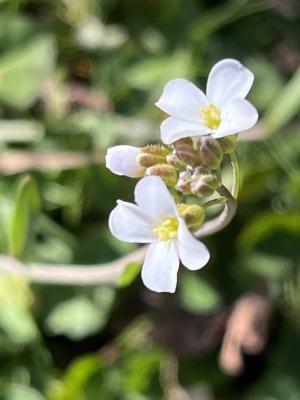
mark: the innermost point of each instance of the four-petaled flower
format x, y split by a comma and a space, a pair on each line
221, 112
155, 219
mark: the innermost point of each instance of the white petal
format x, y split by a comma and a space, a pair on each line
128, 223
192, 253
182, 99
227, 80
238, 116
122, 160
159, 272
153, 197
173, 129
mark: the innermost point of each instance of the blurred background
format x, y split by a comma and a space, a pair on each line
78, 76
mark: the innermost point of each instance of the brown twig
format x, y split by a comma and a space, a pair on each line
90, 98
169, 380
72, 275
14, 162
246, 331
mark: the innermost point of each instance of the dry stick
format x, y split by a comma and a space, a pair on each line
71, 275
107, 272
169, 380
246, 331
94, 99
14, 162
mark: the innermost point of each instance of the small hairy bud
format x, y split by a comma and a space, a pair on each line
147, 160
187, 154
192, 214
186, 140
155, 149
204, 182
167, 172
210, 152
228, 143
184, 182
151, 155
174, 160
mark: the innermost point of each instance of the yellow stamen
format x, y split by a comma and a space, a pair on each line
167, 230
211, 116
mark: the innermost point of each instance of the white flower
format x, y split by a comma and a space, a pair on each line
155, 219
221, 112
122, 160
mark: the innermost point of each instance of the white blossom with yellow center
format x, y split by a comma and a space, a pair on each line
223, 111
155, 219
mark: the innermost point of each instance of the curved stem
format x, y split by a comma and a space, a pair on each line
236, 175
221, 221
72, 274
214, 202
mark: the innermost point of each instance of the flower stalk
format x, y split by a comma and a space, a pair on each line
236, 175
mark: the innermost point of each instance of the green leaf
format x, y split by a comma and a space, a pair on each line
27, 202
155, 72
14, 28
80, 316
285, 106
15, 318
20, 392
270, 266
21, 130
24, 70
140, 367
217, 17
264, 225
129, 274
75, 378
268, 82
197, 294
75, 318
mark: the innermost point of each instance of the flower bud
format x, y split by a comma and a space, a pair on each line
174, 160
186, 140
156, 150
204, 182
228, 143
187, 154
210, 152
152, 155
122, 160
184, 182
167, 173
192, 214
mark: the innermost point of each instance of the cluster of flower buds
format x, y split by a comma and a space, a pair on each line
201, 129
188, 166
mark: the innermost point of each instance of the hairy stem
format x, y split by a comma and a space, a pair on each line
214, 202
72, 274
222, 220
236, 176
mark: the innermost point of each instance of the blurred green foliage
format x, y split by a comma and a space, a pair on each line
82, 75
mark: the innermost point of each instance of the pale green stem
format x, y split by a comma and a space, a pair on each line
236, 176
214, 202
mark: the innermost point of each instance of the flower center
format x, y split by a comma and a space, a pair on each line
167, 230
211, 116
